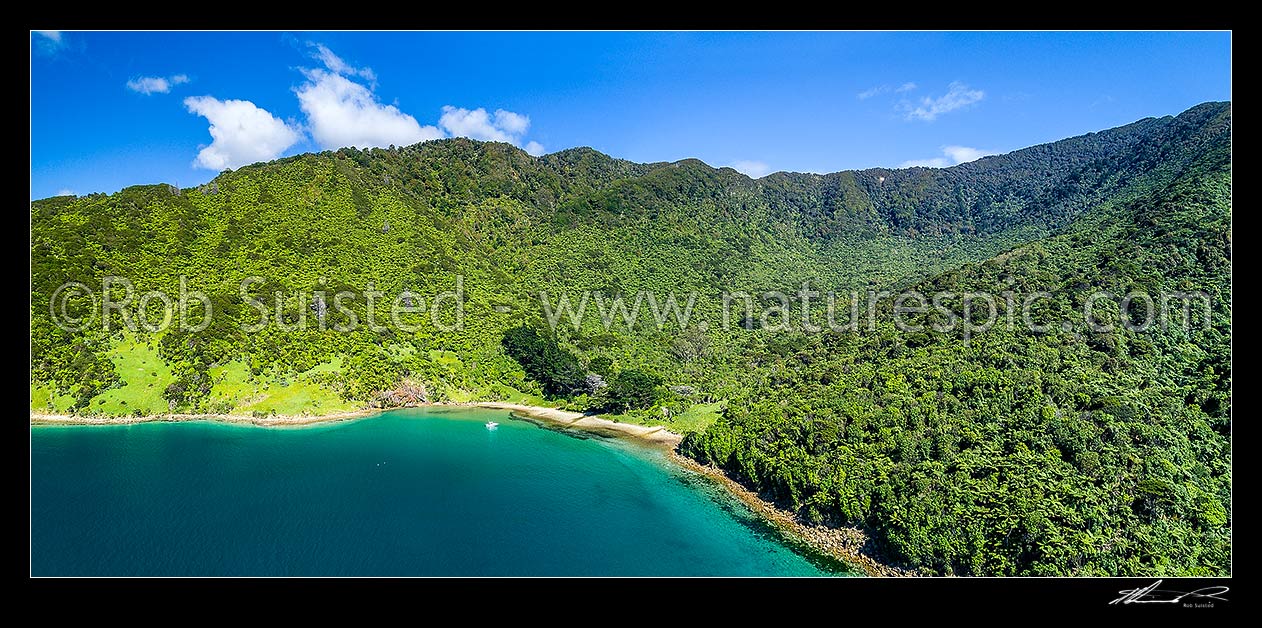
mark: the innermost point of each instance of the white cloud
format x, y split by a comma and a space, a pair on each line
958, 96
48, 42
503, 126
874, 91
149, 85
345, 112
65, 192
962, 154
155, 84
952, 155
341, 113
337, 65
932, 162
330, 60
514, 123
242, 133
753, 169
885, 89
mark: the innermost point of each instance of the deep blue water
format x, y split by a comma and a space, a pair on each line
413, 492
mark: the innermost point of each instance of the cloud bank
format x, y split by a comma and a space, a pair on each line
242, 133
344, 112
951, 155
341, 111
503, 126
752, 169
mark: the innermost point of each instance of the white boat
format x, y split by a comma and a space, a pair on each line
490, 425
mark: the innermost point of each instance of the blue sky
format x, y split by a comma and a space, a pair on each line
112, 109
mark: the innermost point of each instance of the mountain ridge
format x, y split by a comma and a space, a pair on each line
588, 151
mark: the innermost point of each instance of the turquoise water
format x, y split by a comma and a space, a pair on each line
413, 492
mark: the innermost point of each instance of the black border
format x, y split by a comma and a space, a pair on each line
836, 599
841, 599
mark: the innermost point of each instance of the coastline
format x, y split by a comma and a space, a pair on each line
846, 545
274, 420
551, 416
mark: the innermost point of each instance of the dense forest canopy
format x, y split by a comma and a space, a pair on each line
1072, 450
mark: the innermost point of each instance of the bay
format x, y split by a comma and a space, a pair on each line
415, 492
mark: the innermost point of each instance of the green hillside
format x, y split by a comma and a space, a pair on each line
1009, 452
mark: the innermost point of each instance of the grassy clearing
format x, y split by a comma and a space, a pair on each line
696, 418
235, 391
144, 378
448, 359
45, 399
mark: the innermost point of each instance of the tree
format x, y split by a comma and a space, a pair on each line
556, 369
690, 346
633, 389
601, 365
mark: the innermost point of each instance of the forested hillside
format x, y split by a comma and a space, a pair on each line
1071, 452
1009, 452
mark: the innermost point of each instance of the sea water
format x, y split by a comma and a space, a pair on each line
417, 492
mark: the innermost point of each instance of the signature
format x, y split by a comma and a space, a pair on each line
1152, 595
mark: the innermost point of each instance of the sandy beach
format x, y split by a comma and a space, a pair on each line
275, 420
587, 423
553, 416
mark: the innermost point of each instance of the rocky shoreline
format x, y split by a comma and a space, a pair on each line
847, 545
